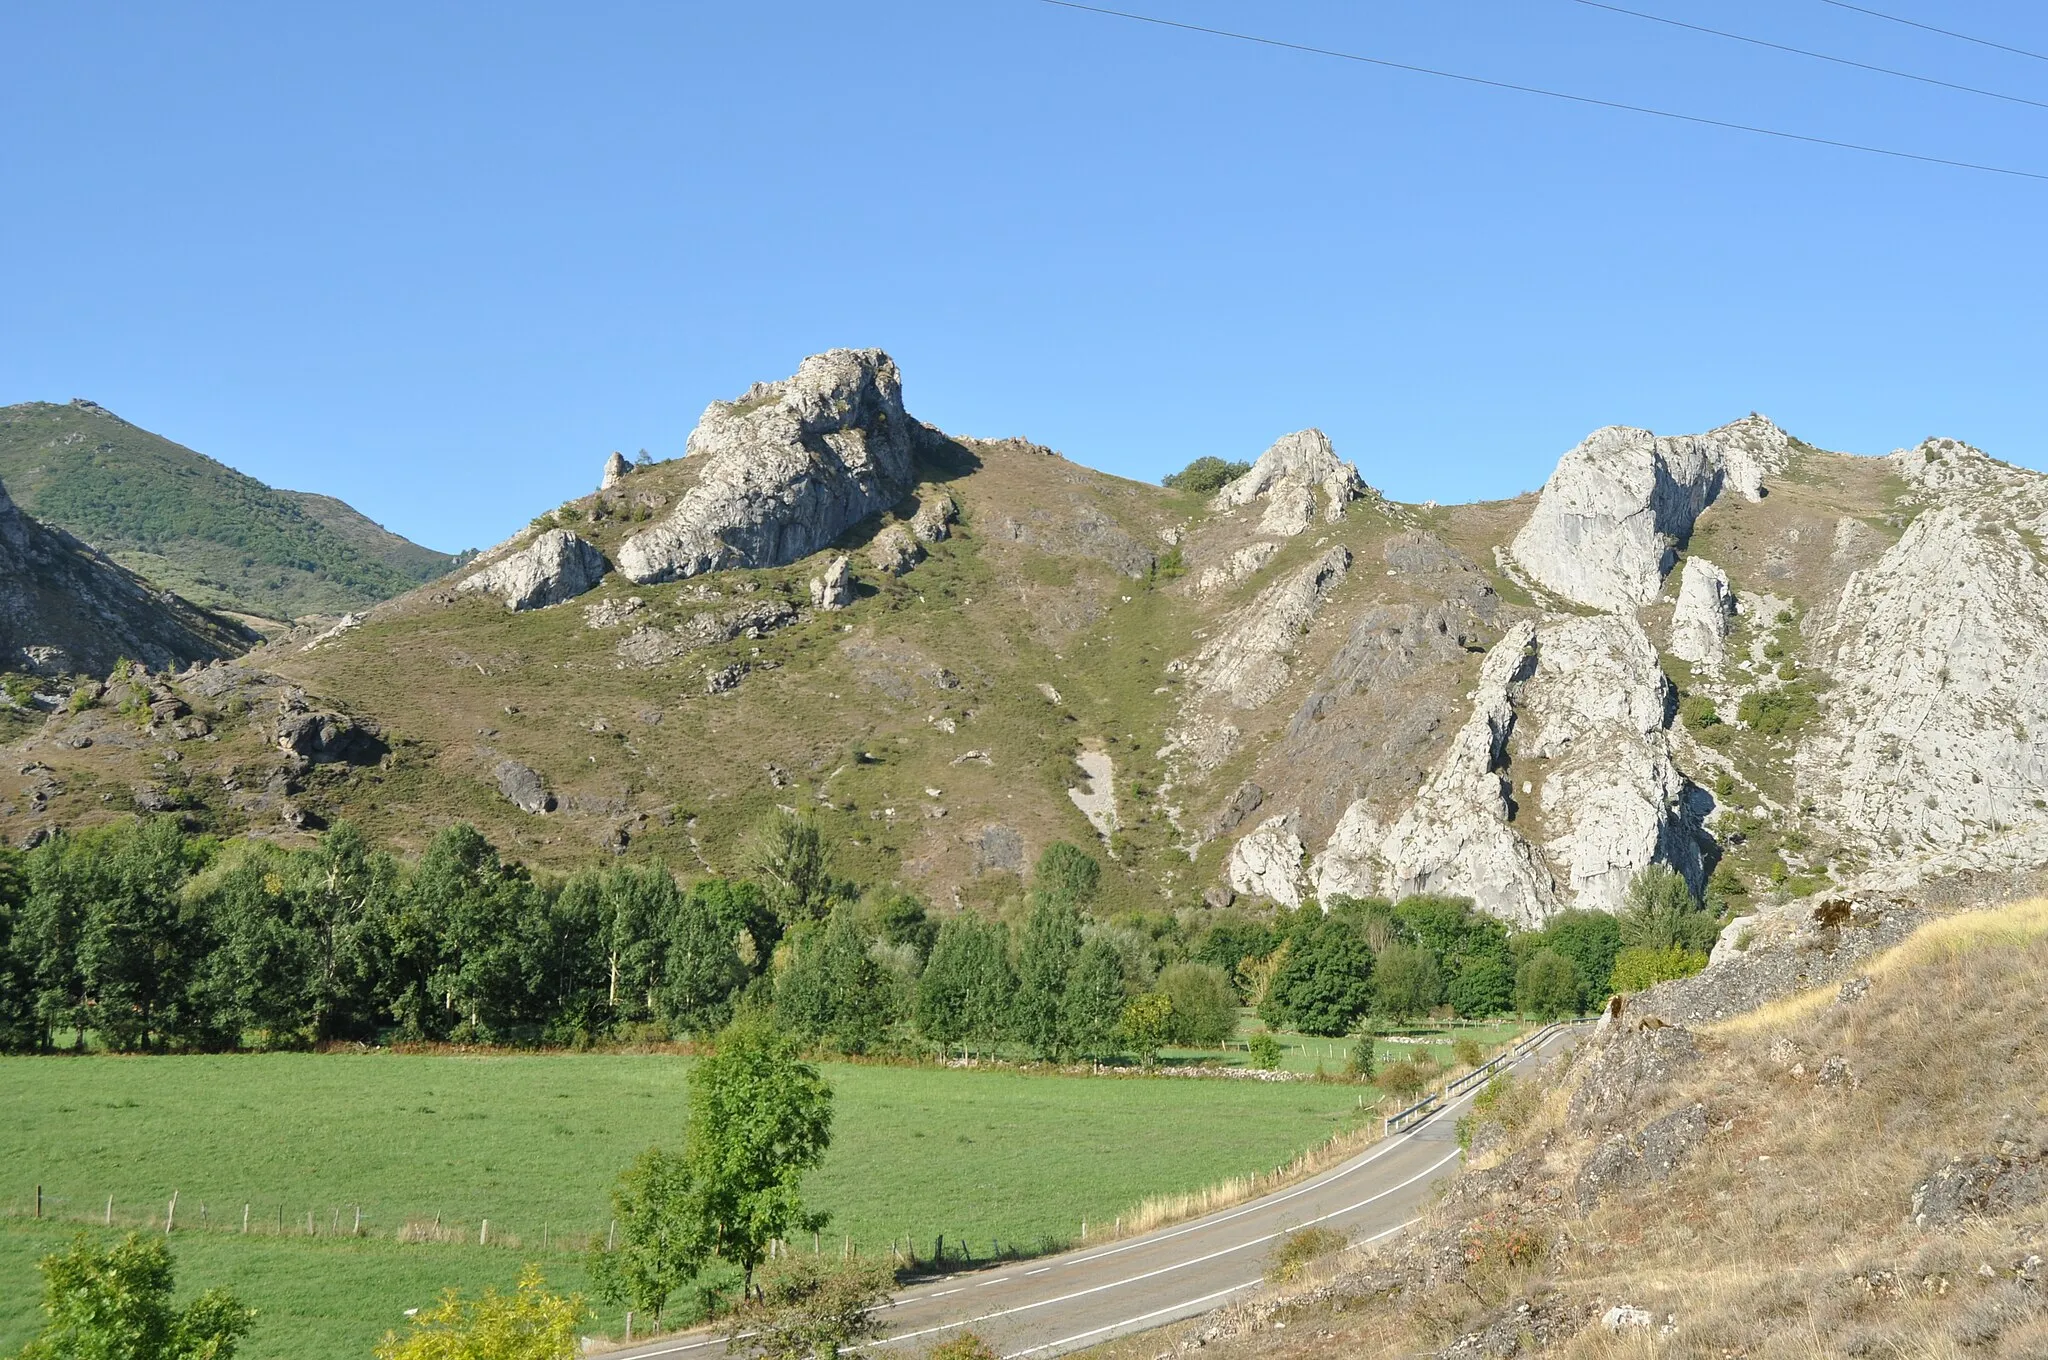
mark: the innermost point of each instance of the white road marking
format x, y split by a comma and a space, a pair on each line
1040, 1271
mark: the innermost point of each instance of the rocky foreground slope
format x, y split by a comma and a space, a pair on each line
1767, 665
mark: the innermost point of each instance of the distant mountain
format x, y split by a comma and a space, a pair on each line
196, 526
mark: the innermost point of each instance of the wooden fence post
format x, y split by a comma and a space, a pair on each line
171, 1214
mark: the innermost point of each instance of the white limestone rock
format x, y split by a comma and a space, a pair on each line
1249, 665
1267, 862
1701, 619
616, 470
785, 470
1610, 519
556, 566
1287, 477
1930, 753
895, 551
1241, 564
1350, 864
934, 519
834, 589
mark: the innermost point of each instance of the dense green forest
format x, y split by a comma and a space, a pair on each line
141, 936
212, 534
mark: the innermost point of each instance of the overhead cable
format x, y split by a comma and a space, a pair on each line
1944, 32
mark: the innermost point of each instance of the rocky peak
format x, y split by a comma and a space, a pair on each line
1752, 449
786, 469
1287, 477
616, 470
556, 566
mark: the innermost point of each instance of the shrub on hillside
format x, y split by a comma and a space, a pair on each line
1640, 967
1205, 475
1300, 1249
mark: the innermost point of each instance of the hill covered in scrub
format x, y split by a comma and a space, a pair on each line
195, 526
1775, 669
1855, 1170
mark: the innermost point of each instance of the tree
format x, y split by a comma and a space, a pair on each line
1324, 984
114, 1303
904, 919
528, 1324
832, 989
1362, 1061
701, 967
1094, 1003
1068, 874
492, 923
1407, 981
1639, 967
760, 1117
1590, 939
1547, 985
18, 1029
1205, 475
1052, 940
1147, 1023
967, 987
812, 1308
1483, 985
660, 1246
1229, 941
792, 862
1263, 1052
1204, 1006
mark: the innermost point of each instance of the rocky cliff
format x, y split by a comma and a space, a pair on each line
1773, 668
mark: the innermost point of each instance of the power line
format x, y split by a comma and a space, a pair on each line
1548, 94
1944, 32
1817, 56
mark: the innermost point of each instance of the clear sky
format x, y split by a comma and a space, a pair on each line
440, 259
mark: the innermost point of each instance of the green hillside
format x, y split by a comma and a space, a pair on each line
201, 528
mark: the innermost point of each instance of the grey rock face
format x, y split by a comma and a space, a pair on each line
1267, 863
1986, 1183
785, 470
650, 646
1929, 753
1238, 566
1785, 949
1287, 477
1248, 665
523, 787
555, 567
1609, 521
1700, 622
1585, 705
616, 470
834, 589
1648, 1157
934, 518
895, 550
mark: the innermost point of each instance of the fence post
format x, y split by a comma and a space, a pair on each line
171, 1214
110, 1211
483, 1233
245, 1220
39, 1201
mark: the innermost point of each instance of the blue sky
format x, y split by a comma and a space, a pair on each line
439, 260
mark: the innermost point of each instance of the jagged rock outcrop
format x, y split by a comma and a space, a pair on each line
557, 566
1557, 790
1238, 566
1700, 620
1931, 753
64, 604
1610, 519
933, 522
785, 470
1267, 862
650, 645
523, 787
895, 550
1287, 477
834, 588
616, 469
1249, 665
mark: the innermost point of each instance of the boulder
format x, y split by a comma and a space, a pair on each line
834, 589
1610, 519
556, 566
895, 550
1700, 621
1287, 476
935, 515
523, 787
616, 470
785, 470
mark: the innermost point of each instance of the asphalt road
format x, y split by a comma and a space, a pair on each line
1054, 1304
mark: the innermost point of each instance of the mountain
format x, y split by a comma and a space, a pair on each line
66, 610
196, 526
1774, 668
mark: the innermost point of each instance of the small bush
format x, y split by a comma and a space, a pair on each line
1265, 1052
966, 1346
1778, 712
1698, 712
1205, 475
1298, 1250
1359, 1066
1467, 1053
1640, 967
1405, 1078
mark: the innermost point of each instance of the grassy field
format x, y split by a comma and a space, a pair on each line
532, 1143
1306, 1052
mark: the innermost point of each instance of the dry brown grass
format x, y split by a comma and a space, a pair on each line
1786, 1233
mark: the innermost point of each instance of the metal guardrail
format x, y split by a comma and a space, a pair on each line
1478, 1076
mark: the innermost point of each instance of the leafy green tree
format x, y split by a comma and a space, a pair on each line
114, 1303
19, 1031
661, 1246
1361, 1062
628, 911
1483, 985
967, 987
760, 1117
1069, 875
1052, 941
1639, 967
1231, 939
1407, 982
1206, 475
1204, 1006
1263, 1052
1547, 985
1146, 1024
812, 1308
1660, 912
792, 861
1094, 1002
1590, 939
831, 988
492, 925
701, 968
903, 919
528, 1324
1324, 984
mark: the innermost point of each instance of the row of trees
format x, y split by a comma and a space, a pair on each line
149, 938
